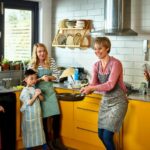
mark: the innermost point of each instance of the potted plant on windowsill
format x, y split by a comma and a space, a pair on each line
16, 65
5, 64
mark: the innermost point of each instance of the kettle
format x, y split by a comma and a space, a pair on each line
6, 82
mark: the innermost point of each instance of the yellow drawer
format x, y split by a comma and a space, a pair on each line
86, 115
88, 135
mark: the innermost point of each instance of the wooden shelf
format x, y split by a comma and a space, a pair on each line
73, 37
73, 46
71, 28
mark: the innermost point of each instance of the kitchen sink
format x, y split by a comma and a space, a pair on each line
70, 96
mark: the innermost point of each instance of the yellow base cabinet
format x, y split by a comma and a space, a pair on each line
136, 126
79, 122
19, 144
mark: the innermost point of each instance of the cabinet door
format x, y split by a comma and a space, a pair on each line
86, 118
67, 118
19, 144
136, 127
18, 117
66, 108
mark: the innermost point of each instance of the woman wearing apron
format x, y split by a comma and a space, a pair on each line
47, 72
107, 77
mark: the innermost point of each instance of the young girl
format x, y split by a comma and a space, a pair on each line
32, 127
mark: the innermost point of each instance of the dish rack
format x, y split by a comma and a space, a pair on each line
73, 37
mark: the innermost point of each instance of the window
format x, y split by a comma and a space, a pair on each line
19, 29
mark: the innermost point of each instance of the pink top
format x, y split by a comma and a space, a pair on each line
114, 66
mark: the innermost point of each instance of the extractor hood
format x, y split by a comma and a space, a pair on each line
117, 15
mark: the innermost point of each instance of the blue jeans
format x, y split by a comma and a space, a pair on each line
107, 138
44, 147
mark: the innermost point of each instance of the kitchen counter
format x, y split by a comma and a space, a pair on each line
4, 90
140, 97
134, 96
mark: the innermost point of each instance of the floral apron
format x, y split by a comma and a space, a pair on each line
113, 107
50, 105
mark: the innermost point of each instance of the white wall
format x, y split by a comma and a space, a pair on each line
45, 15
128, 49
45, 23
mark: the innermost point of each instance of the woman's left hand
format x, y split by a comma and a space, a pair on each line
45, 78
86, 90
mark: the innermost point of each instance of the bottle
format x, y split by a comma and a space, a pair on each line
76, 74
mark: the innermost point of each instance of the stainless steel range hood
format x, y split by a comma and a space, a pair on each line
117, 18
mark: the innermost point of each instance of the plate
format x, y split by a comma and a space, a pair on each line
77, 39
61, 39
69, 40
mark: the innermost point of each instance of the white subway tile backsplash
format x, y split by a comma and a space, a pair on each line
128, 64
118, 43
99, 18
136, 58
133, 44
79, 13
138, 51
87, 6
128, 78
128, 49
94, 12
125, 51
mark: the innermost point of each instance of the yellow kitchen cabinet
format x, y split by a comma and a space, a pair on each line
80, 122
67, 115
86, 122
136, 126
19, 144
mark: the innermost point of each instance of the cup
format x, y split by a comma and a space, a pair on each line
77, 84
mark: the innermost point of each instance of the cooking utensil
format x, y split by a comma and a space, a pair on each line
70, 96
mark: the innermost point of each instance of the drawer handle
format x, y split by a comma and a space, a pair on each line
86, 130
87, 109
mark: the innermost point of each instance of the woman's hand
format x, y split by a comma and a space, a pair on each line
45, 78
87, 90
48, 78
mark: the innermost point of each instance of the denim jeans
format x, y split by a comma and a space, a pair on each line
106, 137
44, 147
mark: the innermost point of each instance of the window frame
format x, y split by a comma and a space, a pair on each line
24, 5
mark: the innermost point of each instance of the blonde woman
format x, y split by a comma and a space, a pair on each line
47, 72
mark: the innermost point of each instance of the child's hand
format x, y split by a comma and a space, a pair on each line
2, 109
37, 92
